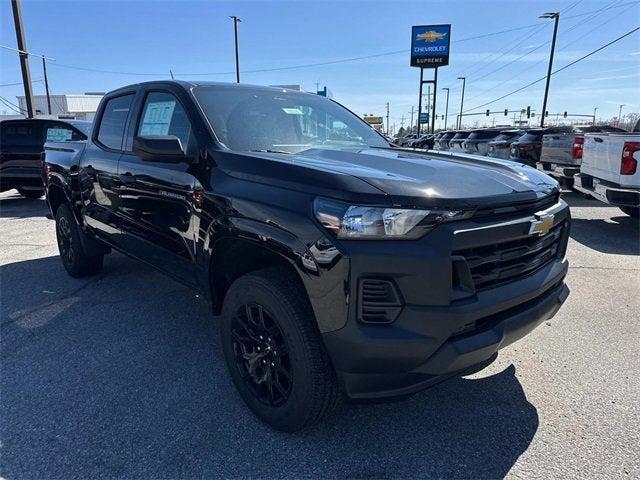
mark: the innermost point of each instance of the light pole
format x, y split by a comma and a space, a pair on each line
556, 18
235, 34
595, 109
446, 109
620, 115
464, 81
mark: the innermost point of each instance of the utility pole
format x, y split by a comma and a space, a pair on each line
235, 34
24, 57
620, 115
556, 18
594, 114
411, 118
464, 81
387, 119
46, 83
446, 110
428, 106
171, 73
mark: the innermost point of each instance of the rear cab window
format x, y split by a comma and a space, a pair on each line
21, 134
59, 132
113, 121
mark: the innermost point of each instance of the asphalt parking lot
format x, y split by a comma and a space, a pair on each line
121, 375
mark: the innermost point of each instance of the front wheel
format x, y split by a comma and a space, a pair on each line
274, 353
631, 211
74, 258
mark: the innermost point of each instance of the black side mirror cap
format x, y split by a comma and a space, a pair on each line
159, 148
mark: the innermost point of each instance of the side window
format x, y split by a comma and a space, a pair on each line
114, 118
61, 133
163, 115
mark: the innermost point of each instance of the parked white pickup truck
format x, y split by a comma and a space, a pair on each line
610, 170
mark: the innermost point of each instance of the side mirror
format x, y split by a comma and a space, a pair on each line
159, 148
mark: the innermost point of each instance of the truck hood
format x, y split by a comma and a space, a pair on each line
434, 178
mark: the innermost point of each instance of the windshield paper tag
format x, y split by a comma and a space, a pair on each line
157, 118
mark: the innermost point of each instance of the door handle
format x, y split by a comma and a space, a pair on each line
127, 178
597, 139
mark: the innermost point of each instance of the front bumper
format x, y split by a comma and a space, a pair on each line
558, 170
439, 333
607, 192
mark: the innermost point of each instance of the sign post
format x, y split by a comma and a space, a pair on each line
429, 49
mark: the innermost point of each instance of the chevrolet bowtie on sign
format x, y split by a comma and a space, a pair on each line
542, 224
430, 45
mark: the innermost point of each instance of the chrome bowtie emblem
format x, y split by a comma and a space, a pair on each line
542, 224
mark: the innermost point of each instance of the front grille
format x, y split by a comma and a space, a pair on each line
493, 265
378, 301
525, 208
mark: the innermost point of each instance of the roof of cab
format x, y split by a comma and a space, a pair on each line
187, 84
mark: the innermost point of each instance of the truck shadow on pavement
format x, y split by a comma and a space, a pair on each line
121, 375
618, 235
16, 206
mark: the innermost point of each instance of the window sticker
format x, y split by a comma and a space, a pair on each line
157, 118
292, 111
58, 134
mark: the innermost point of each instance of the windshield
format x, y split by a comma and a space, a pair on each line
262, 119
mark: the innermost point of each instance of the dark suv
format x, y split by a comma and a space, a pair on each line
339, 264
21, 146
528, 147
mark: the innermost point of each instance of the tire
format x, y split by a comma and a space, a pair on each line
631, 211
291, 383
31, 194
74, 258
568, 183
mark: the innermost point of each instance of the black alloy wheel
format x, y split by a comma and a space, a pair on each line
65, 240
261, 355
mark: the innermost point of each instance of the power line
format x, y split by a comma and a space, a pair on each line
12, 106
600, 25
555, 71
18, 83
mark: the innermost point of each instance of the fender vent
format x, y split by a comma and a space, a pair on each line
378, 301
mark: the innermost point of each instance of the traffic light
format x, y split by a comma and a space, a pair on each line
506, 112
487, 112
528, 112
565, 114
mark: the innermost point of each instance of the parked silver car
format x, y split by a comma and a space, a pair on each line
455, 144
500, 147
477, 142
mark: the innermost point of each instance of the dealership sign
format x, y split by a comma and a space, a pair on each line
430, 45
424, 118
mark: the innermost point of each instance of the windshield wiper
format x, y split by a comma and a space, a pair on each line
268, 150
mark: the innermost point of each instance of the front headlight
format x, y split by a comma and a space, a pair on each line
378, 223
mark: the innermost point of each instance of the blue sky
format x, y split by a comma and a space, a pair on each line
137, 37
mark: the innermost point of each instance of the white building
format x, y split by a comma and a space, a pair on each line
77, 106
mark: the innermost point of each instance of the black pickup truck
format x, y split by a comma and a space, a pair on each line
339, 264
21, 145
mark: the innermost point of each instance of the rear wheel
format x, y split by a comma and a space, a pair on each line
32, 194
74, 258
274, 353
631, 211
